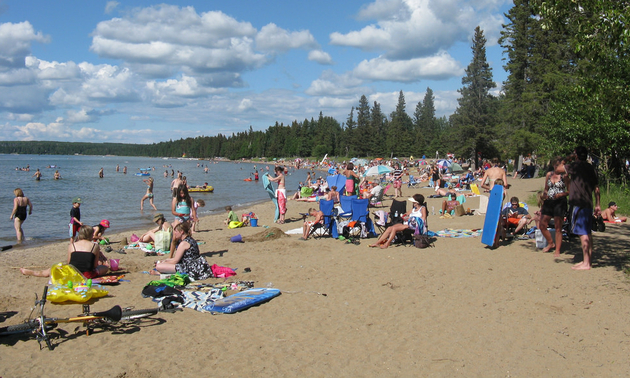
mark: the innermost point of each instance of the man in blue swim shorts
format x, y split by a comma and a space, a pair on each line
584, 183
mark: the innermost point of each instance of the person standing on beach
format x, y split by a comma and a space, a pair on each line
281, 192
37, 175
492, 174
75, 218
584, 183
20, 203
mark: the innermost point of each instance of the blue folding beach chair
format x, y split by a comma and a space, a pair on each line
346, 205
329, 227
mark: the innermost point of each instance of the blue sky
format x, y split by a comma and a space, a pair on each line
144, 72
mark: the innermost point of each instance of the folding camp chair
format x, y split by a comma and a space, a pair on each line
413, 182
377, 200
359, 218
318, 230
346, 205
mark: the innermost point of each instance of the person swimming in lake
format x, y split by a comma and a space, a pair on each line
37, 175
57, 175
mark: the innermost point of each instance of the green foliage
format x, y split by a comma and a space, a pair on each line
474, 120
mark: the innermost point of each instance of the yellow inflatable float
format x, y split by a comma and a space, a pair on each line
68, 284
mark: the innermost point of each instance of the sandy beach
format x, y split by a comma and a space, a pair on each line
346, 310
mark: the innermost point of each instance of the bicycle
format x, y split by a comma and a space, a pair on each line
41, 325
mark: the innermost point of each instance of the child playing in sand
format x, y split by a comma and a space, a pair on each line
198, 203
231, 216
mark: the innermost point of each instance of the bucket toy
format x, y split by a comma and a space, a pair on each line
113, 264
236, 239
253, 222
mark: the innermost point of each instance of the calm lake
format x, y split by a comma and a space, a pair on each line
116, 197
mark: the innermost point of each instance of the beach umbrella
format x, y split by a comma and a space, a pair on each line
444, 163
378, 170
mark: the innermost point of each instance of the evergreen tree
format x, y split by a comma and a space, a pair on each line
473, 119
377, 121
400, 136
424, 121
362, 139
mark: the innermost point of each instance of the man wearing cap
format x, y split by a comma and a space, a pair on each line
75, 218
584, 183
609, 214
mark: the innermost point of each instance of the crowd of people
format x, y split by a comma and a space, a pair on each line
571, 181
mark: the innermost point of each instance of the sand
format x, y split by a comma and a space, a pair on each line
457, 309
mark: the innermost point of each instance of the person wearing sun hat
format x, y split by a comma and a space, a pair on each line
99, 230
161, 235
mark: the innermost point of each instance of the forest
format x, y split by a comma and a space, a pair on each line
568, 85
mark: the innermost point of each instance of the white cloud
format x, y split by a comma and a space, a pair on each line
20, 117
111, 6
320, 57
332, 84
274, 39
245, 104
407, 29
179, 39
438, 67
15, 43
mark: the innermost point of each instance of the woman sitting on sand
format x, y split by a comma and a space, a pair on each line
163, 231
186, 258
419, 210
83, 254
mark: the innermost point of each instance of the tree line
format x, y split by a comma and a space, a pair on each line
568, 72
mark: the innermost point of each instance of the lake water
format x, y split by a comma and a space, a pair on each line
116, 197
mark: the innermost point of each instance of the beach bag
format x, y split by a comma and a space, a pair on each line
459, 210
422, 241
163, 240
598, 224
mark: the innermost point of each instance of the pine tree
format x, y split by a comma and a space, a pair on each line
400, 136
362, 139
473, 119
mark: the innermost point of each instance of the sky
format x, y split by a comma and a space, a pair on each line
144, 72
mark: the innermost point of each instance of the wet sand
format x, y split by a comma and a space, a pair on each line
457, 309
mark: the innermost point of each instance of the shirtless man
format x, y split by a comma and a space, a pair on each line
37, 175
492, 174
610, 216
175, 183
281, 192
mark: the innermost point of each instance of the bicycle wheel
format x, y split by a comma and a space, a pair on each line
19, 328
137, 314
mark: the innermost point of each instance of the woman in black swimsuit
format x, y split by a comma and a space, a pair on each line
20, 203
83, 254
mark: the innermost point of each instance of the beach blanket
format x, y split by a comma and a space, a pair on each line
198, 300
449, 233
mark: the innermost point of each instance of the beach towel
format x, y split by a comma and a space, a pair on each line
222, 271
449, 233
281, 194
198, 300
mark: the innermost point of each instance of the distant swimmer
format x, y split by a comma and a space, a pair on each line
125, 169
57, 175
100, 173
117, 168
37, 175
